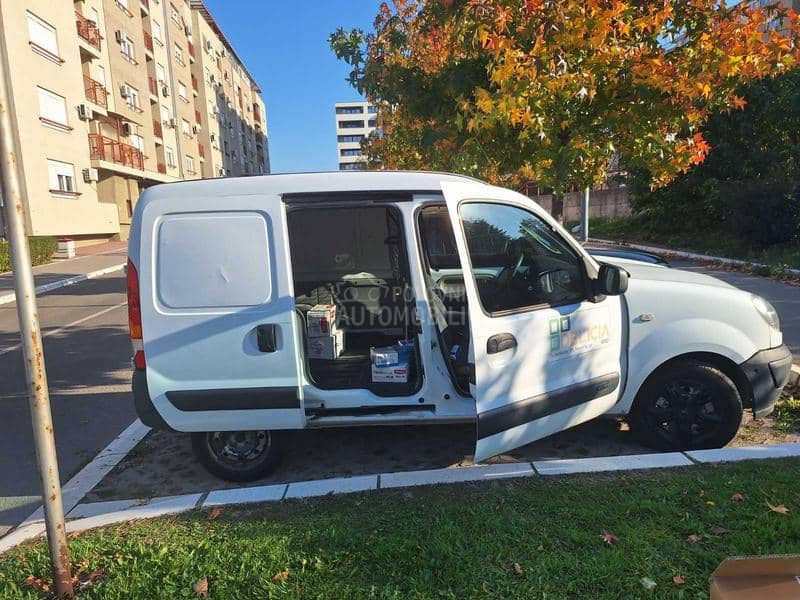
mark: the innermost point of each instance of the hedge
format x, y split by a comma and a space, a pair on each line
42, 249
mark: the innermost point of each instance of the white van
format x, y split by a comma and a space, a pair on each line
266, 304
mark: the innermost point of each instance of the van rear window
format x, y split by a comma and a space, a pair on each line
213, 260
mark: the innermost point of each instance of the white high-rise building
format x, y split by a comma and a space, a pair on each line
354, 122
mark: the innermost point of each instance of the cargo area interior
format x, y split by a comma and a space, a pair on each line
353, 259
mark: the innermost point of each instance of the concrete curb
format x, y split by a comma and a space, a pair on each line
49, 287
794, 377
690, 255
98, 514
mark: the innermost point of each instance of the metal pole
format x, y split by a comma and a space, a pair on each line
585, 216
32, 351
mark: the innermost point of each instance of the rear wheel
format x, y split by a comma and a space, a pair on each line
687, 405
238, 455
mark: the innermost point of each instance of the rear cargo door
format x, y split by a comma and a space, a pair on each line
218, 320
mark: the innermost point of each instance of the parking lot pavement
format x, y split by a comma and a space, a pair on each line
87, 353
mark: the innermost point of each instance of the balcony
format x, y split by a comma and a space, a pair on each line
153, 85
201, 150
191, 51
158, 130
95, 91
197, 117
194, 83
256, 113
88, 31
162, 168
105, 148
148, 41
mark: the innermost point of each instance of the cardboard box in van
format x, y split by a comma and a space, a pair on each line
326, 347
747, 577
321, 320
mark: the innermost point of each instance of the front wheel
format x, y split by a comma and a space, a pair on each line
238, 455
687, 405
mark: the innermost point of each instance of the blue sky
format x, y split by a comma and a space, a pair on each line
284, 46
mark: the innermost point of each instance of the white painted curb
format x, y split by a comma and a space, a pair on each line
690, 255
49, 287
794, 376
99, 514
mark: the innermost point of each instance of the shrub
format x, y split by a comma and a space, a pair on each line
763, 213
41, 247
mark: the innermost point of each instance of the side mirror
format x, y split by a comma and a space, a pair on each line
612, 280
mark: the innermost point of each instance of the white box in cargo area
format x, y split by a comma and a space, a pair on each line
326, 347
321, 320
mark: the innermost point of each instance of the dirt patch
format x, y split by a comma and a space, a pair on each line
163, 463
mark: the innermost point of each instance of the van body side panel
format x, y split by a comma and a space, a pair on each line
218, 313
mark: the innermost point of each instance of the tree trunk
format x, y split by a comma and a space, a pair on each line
557, 208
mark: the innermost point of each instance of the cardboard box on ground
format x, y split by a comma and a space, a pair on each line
748, 577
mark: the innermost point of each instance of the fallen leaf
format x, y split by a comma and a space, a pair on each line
282, 576
710, 503
73, 534
141, 501
518, 570
647, 583
778, 508
720, 531
737, 498
609, 538
214, 514
201, 587
83, 580
678, 579
36, 583
702, 493
694, 539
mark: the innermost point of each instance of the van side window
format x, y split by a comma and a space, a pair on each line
518, 261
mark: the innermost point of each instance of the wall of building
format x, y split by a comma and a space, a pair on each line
349, 152
607, 203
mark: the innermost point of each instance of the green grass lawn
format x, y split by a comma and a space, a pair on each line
636, 230
451, 542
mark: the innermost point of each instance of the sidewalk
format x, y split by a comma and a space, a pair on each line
91, 261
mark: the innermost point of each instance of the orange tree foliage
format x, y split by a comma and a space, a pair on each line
551, 90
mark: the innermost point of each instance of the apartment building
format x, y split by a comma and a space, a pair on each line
354, 122
106, 101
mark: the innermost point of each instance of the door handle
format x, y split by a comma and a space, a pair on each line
265, 336
500, 342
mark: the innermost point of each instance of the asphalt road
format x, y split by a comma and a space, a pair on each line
87, 353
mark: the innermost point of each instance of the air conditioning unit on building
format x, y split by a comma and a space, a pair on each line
85, 113
126, 129
173, 122
123, 91
221, 172
208, 46
196, 129
119, 36
165, 90
213, 137
90, 175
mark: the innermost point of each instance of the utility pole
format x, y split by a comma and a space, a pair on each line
585, 216
32, 351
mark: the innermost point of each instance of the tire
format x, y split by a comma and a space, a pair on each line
687, 405
239, 455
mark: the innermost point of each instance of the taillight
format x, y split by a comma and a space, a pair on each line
135, 316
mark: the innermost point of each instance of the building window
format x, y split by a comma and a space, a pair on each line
190, 165
43, 38
350, 138
137, 142
351, 124
186, 128
170, 156
372, 123
350, 152
173, 13
127, 49
131, 97
61, 177
179, 54
52, 109
161, 74
354, 166
182, 91
372, 109
165, 115
349, 110
156, 28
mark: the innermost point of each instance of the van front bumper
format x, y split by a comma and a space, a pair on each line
145, 410
767, 371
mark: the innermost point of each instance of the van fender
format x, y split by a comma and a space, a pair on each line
651, 347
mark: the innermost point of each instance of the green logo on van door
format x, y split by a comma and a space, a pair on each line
557, 327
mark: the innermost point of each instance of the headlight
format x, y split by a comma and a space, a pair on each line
767, 312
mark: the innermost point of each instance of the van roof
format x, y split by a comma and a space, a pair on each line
309, 183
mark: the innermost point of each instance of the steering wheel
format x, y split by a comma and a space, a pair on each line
507, 275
